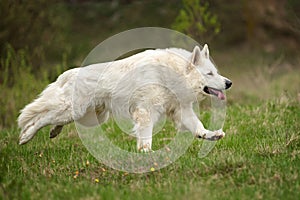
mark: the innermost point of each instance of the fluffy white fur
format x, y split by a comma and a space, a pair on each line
142, 87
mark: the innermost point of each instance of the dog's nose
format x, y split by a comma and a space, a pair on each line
228, 84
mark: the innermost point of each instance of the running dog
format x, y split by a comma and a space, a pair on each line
142, 87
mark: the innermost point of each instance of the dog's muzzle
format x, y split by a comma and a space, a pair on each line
215, 92
228, 84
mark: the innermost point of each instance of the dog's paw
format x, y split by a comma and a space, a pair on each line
218, 135
145, 150
211, 135
55, 131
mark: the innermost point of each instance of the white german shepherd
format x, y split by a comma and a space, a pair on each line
165, 82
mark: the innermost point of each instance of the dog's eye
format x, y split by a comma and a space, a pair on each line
210, 73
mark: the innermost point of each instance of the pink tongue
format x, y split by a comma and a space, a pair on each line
218, 93
221, 95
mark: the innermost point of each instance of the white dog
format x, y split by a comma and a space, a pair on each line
142, 87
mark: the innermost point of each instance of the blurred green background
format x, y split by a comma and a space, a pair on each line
255, 43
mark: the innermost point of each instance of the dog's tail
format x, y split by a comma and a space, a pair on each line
31, 113
30, 116
50, 105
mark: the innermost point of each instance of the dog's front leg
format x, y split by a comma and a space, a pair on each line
191, 122
144, 138
143, 129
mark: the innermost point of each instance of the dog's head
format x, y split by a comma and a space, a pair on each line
211, 83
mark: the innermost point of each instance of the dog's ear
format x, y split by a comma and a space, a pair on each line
205, 52
195, 59
196, 56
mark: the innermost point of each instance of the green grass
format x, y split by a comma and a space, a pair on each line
258, 159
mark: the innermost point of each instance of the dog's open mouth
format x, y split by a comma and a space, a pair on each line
215, 92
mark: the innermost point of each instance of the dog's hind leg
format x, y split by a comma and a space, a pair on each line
94, 117
102, 115
55, 131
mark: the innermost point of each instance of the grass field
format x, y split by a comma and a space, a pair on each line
258, 159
